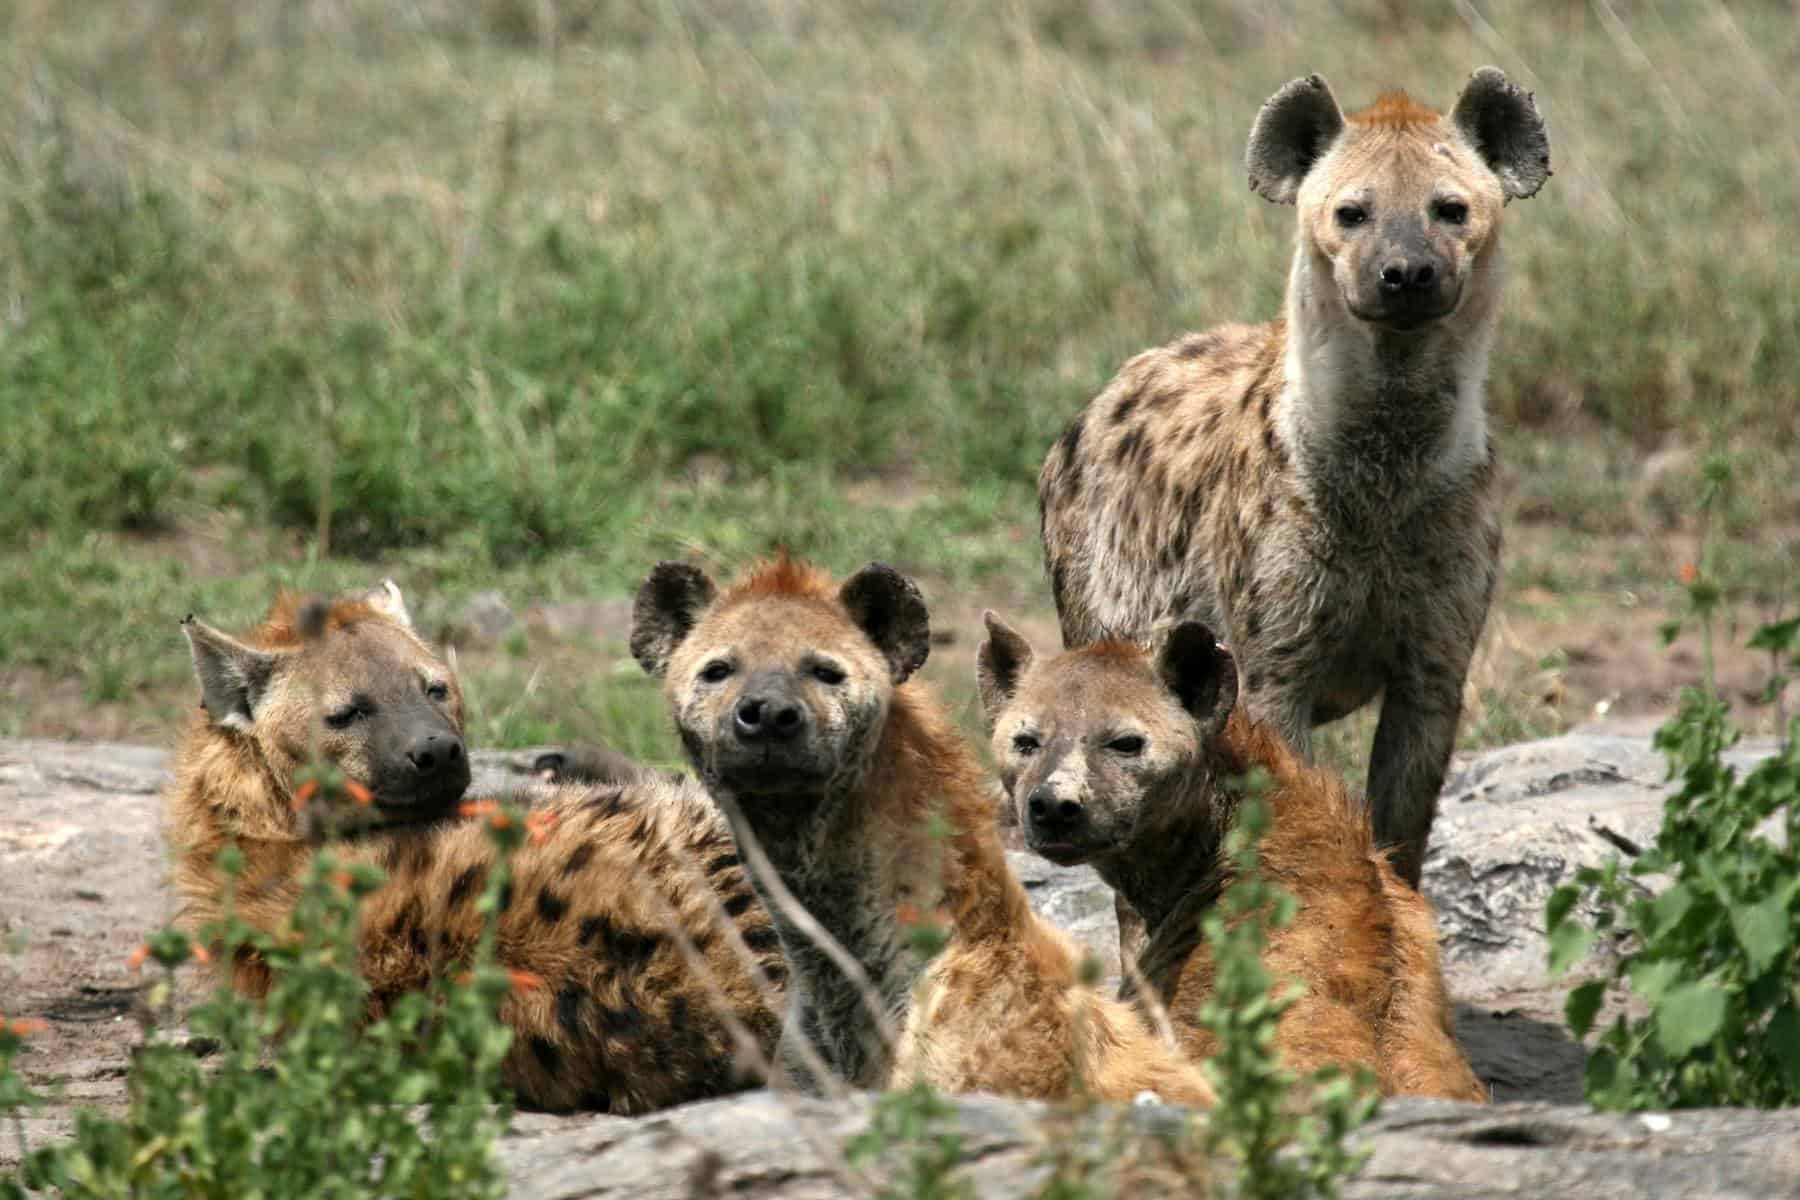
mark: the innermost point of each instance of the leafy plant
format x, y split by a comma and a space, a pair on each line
303, 1096
1287, 1136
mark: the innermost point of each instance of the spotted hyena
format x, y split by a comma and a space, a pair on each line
1126, 760
1320, 489
792, 696
632, 910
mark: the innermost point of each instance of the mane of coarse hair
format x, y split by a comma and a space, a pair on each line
1117, 650
782, 575
1395, 109
282, 628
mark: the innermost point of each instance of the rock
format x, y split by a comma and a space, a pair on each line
772, 1147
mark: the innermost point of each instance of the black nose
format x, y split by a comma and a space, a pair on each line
1052, 816
1399, 276
774, 718
435, 753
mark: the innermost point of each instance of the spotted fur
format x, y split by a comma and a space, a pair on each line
603, 911
1321, 489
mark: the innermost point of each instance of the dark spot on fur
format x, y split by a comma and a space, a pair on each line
568, 1009
1197, 345
641, 831
1128, 447
678, 1012
466, 884
551, 906
412, 854
607, 803
1210, 423
722, 863
622, 1022
1252, 625
763, 937
548, 1056
1253, 681
1123, 408
584, 854
594, 930
737, 905
1071, 439
1266, 509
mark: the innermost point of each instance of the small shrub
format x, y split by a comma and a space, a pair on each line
1715, 956
302, 1097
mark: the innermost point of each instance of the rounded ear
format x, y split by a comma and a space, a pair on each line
999, 665
1200, 672
1292, 131
668, 603
385, 598
887, 606
234, 677
1501, 122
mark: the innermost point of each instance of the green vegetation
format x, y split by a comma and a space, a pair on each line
525, 295
300, 1097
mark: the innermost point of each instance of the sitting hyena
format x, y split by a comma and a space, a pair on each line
792, 699
631, 912
1320, 489
1121, 758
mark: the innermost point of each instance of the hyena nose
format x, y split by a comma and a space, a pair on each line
435, 753
1397, 276
774, 718
1050, 815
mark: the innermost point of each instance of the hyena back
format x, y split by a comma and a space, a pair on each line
1320, 489
630, 915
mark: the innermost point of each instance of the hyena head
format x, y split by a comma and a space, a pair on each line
1400, 205
348, 683
1096, 745
780, 685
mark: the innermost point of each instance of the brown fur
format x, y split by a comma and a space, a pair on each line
1154, 821
619, 1018
1320, 489
1001, 1008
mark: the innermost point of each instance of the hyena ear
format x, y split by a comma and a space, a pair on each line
233, 677
385, 598
999, 665
1501, 122
668, 604
1292, 131
887, 606
1200, 672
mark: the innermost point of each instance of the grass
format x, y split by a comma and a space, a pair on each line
526, 294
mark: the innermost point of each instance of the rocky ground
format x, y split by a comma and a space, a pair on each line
82, 879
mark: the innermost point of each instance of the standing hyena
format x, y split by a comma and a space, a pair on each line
631, 910
791, 696
1321, 488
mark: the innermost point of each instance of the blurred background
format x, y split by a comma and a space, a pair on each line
509, 298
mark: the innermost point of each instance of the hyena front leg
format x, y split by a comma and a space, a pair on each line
1413, 741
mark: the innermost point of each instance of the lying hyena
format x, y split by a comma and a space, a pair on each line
632, 910
791, 696
1321, 489
1121, 758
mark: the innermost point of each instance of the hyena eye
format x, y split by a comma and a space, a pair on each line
1455, 212
1351, 215
437, 690
828, 675
1025, 744
344, 717
716, 671
1129, 745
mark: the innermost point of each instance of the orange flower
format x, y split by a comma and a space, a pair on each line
305, 792
26, 1026
358, 793
1689, 572
201, 954
524, 981
477, 808
907, 913
135, 960
341, 880
540, 824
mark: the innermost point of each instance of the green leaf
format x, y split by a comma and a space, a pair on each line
1569, 944
1763, 929
1562, 901
1671, 906
1652, 979
1583, 1005
1689, 1016
1776, 637
1783, 1037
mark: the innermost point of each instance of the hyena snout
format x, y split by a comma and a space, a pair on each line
769, 711
437, 755
422, 765
1052, 819
1408, 282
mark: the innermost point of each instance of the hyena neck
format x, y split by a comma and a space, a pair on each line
1170, 863
225, 790
1379, 422
874, 862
